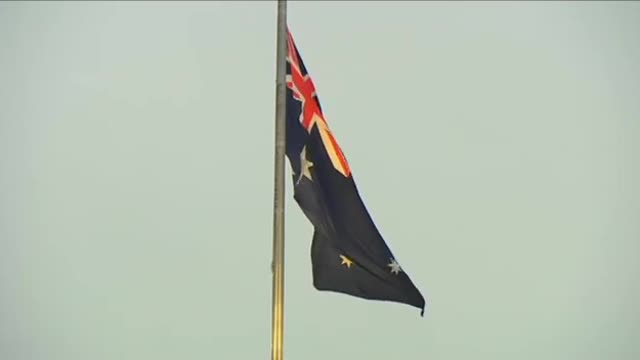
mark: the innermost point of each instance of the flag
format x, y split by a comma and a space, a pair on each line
348, 254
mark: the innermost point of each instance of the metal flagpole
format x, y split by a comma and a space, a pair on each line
277, 322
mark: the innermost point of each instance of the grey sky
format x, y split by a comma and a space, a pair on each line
495, 145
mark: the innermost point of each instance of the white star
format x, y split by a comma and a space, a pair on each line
395, 267
304, 165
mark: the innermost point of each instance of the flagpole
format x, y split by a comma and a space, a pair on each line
277, 312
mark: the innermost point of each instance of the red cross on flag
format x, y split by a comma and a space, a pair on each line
304, 91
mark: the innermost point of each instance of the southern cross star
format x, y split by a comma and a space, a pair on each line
395, 267
346, 261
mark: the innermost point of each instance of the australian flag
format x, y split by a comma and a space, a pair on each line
348, 254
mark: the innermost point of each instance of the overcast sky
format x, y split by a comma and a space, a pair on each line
496, 146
